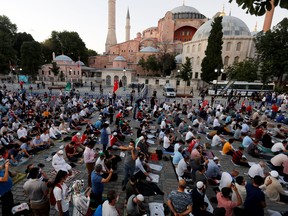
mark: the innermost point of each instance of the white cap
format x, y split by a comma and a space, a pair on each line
274, 173
141, 138
106, 122
60, 152
215, 158
78, 134
199, 184
140, 197
115, 134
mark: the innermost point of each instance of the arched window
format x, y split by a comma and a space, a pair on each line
192, 61
238, 47
226, 60
193, 48
236, 59
188, 49
198, 60
199, 47
228, 46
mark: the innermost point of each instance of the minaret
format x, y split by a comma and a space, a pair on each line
127, 27
111, 35
268, 18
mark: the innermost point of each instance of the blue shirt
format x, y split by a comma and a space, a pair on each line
253, 201
98, 124
246, 141
177, 157
5, 186
104, 138
97, 185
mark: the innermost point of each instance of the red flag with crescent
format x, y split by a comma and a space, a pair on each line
116, 86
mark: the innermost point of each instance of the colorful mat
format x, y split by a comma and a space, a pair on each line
18, 177
74, 174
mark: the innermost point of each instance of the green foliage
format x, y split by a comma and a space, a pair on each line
31, 56
54, 68
213, 53
20, 38
272, 49
7, 53
150, 64
259, 7
166, 63
67, 43
243, 71
92, 52
186, 71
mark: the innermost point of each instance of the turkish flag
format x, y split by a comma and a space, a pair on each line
116, 86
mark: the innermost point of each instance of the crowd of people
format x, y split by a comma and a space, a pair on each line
97, 131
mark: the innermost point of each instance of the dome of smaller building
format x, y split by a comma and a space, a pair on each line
119, 58
149, 49
184, 9
178, 59
232, 27
80, 63
62, 58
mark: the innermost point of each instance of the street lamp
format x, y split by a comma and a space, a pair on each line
178, 73
124, 80
218, 71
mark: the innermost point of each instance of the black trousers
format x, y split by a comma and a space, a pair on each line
7, 203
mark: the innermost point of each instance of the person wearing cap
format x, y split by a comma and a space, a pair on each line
98, 185
113, 139
179, 202
135, 205
77, 143
213, 171
98, 123
59, 163
198, 194
273, 189
279, 147
224, 199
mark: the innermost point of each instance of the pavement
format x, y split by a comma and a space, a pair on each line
167, 181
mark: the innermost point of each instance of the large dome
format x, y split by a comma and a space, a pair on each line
63, 58
184, 9
149, 49
232, 27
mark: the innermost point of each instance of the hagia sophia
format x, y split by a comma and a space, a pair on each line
182, 31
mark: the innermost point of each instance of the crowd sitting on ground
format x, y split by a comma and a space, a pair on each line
31, 124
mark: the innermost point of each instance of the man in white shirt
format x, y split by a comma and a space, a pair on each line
279, 147
22, 133
227, 178
217, 140
163, 124
257, 169
189, 135
216, 124
109, 206
167, 143
278, 160
182, 170
46, 138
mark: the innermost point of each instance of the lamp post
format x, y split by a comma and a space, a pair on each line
218, 71
124, 80
178, 73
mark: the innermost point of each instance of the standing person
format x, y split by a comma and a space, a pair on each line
60, 191
98, 185
37, 192
104, 136
255, 200
179, 202
6, 184
198, 195
129, 163
109, 206
89, 159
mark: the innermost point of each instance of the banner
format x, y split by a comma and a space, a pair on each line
116, 86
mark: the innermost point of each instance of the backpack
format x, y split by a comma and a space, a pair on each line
52, 197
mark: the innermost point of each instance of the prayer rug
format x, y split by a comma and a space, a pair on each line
74, 174
18, 177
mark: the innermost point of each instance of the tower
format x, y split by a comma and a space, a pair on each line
127, 27
111, 35
268, 18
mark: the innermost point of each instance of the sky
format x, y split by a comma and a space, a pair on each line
89, 17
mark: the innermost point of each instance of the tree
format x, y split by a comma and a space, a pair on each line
186, 71
31, 57
272, 50
152, 63
213, 53
259, 7
20, 38
243, 71
92, 52
54, 69
166, 63
67, 43
7, 53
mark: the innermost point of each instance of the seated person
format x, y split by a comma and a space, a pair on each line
237, 134
259, 132
38, 143
279, 147
46, 138
16, 153
278, 161
167, 142
239, 159
267, 141
276, 132
111, 159
71, 152
183, 170
59, 163
247, 140
217, 140
77, 140
54, 132
228, 148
